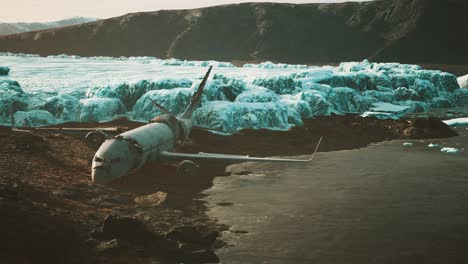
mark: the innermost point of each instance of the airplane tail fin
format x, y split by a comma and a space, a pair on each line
196, 98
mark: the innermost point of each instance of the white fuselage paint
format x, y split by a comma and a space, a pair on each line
131, 150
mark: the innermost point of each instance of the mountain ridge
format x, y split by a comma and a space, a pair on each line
414, 31
22, 27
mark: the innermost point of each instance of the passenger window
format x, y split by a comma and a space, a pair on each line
97, 159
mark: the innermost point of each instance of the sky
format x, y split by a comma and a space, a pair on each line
52, 10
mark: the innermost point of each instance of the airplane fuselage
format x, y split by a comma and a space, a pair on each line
131, 150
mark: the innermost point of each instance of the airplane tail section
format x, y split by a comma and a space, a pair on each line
196, 98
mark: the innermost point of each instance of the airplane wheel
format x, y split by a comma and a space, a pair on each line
95, 139
188, 168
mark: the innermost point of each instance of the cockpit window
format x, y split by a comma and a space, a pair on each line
97, 159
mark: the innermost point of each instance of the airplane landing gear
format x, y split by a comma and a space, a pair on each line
188, 169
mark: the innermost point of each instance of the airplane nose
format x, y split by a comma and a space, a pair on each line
100, 175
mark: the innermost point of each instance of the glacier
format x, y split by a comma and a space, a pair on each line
60, 88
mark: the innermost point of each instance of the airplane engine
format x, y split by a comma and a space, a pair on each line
188, 169
95, 138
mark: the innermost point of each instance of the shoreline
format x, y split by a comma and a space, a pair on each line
48, 175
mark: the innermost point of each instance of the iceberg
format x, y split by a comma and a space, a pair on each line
222, 88
99, 109
64, 106
257, 95
231, 117
129, 93
33, 118
12, 98
101, 88
460, 97
174, 100
278, 84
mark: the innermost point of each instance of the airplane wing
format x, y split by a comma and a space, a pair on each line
226, 157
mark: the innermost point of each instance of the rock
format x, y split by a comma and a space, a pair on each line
154, 199
4, 70
126, 228
111, 247
200, 235
31, 142
201, 256
428, 128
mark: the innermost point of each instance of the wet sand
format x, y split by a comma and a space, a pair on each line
381, 204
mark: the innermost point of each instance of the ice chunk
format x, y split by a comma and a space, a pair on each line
347, 100
407, 144
312, 76
354, 66
4, 70
231, 116
431, 145
450, 150
415, 106
425, 89
222, 88
387, 96
257, 94
297, 108
389, 108
357, 80
33, 118
271, 65
379, 115
317, 102
129, 93
457, 121
440, 102
460, 97
278, 84
403, 93
12, 97
99, 109
463, 81
444, 81
62, 106
402, 80
175, 100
